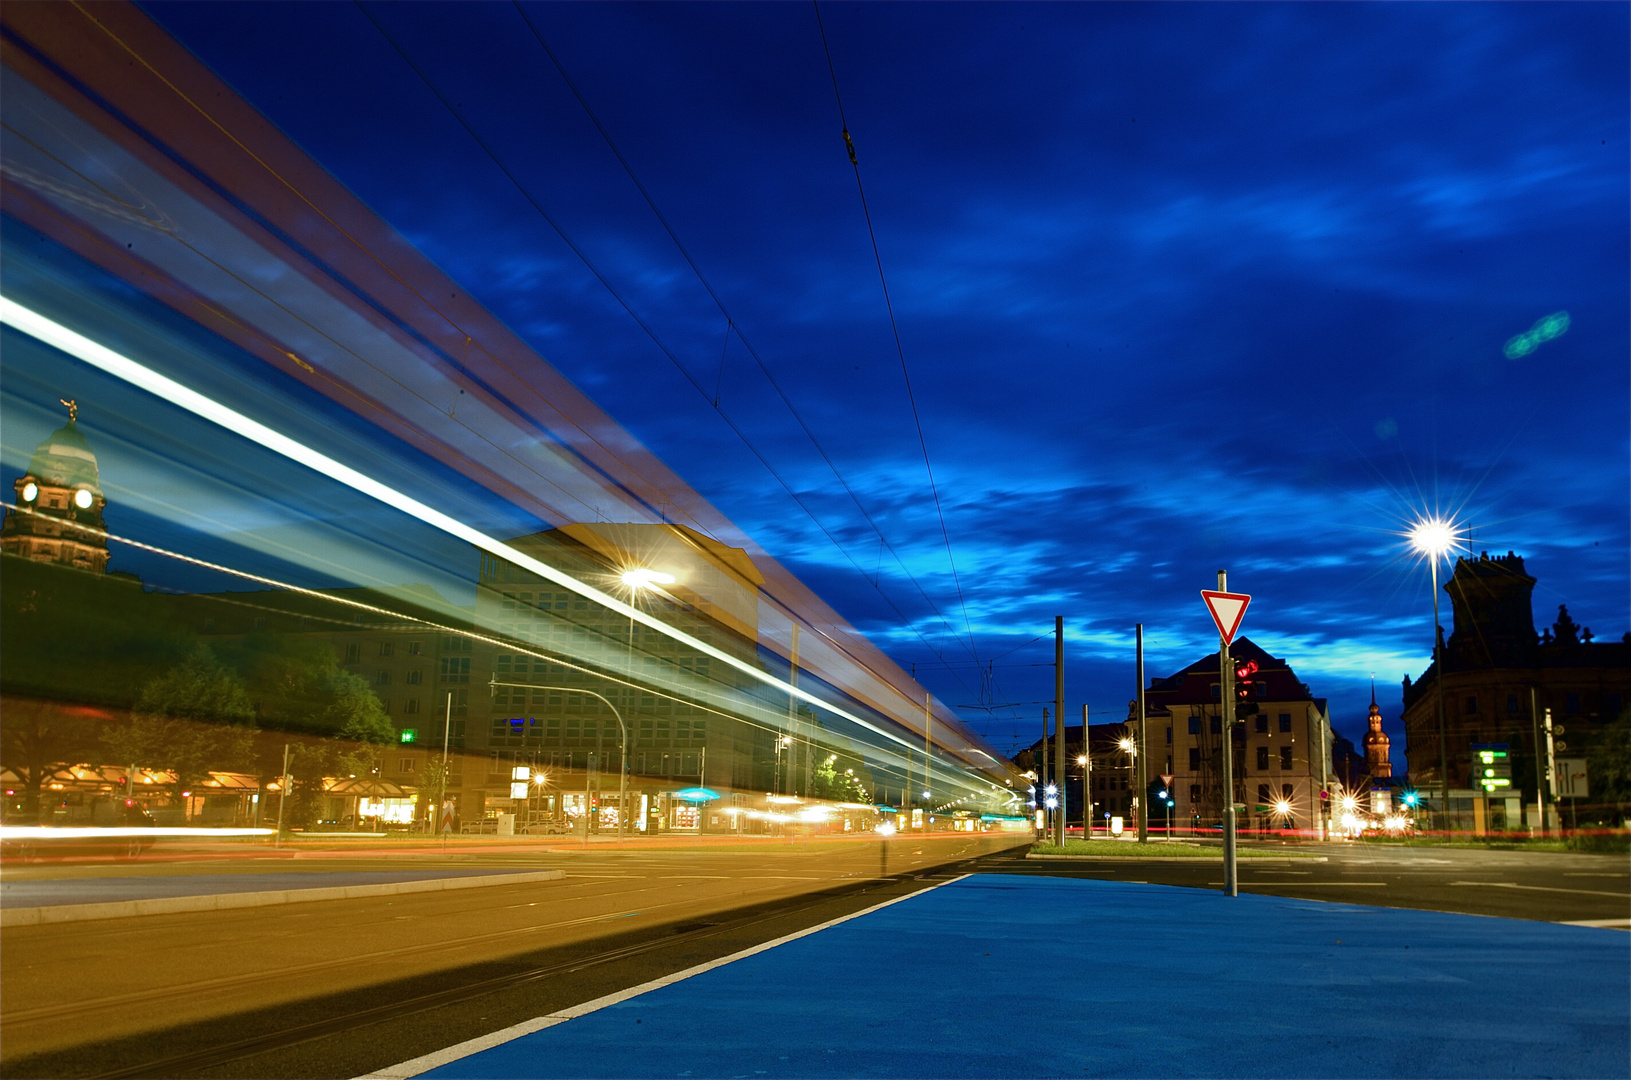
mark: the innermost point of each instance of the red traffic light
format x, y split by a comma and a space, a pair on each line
1245, 670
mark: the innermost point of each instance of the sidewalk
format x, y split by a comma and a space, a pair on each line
1007, 976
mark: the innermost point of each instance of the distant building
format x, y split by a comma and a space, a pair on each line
1282, 746
59, 503
1494, 665
1376, 743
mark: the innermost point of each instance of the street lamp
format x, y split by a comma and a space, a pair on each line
622, 772
1435, 538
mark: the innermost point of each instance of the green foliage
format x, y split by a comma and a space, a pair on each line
1609, 766
189, 720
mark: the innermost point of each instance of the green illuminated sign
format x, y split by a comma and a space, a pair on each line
409, 735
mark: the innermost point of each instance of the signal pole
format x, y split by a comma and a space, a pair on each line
1226, 690
1143, 747
1059, 768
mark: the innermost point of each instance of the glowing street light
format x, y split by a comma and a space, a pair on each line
645, 579
1435, 538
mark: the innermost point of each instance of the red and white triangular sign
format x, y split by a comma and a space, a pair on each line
1166, 779
1226, 609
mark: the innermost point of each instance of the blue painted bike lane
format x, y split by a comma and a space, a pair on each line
1009, 976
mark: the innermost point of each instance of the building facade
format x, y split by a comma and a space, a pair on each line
1500, 676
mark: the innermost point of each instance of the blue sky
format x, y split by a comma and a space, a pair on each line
1179, 287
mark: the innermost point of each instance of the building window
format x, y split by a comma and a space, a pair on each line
1262, 724
1169, 736
260, 622
455, 669
1217, 693
1472, 705
415, 677
1263, 796
1285, 721
1194, 759
209, 625
405, 765
383, 678
1512, 703
387, 648
461, 703
1571, 703
1262, 759
353, 652
1285, 757
416, 648
1194, 794
1217, 725
1285, 792
410, 706
1194, 725
455, 643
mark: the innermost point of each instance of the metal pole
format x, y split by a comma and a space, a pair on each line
1143, 746
1226, 690
623, 769
1438, 686
1540, 764
1322, 804
1551, 769
282, 795
447, 728
1042, 776
1087, 780
928, 721
1060, 768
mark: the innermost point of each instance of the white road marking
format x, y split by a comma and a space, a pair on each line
1538, 888
435, 1060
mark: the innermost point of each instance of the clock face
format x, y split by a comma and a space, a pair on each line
30, 492
82, 499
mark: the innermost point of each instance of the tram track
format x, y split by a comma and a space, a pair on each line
678, 936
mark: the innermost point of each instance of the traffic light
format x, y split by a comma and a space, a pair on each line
1244, 685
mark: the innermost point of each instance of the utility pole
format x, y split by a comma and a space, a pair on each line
1551, 768
1226, 690
1438, 690
1143, 746
927, 787
1059, 725
1540, 765
1042, 775
282, 795
1087, 780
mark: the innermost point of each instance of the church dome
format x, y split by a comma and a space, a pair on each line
65, 460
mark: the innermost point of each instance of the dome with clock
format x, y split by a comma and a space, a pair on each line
56, 515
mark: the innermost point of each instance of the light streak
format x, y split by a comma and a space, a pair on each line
68, 832
167, 389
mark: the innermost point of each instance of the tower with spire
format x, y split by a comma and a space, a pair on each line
1376, 741
57, 513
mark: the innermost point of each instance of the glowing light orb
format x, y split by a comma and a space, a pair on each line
30, 492
82, 499
644, 579
1433, 536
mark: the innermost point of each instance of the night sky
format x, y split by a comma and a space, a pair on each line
1178, 288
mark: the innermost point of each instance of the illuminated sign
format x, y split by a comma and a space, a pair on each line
1491, 766
696, 794
408, 735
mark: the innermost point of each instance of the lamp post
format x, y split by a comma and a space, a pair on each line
1434, 538
623, 770
1130, 745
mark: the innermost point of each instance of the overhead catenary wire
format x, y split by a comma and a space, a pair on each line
732, 326
894, 326
623, 302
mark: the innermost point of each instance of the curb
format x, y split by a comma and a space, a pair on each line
1184, 858
169, 905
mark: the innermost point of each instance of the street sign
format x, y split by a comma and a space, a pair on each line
1571, 778
1226, 609
1166, 780
446, 824
1491, 766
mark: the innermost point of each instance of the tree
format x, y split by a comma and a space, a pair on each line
1609, 766
191, 720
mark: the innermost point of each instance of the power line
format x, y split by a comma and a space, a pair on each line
889, 306
640, 322
731, 325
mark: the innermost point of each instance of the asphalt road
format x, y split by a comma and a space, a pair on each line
341, 988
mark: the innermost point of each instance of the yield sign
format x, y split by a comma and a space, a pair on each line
1166, 780
1226, 609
